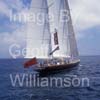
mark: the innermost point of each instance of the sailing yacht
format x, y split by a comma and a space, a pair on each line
57, 48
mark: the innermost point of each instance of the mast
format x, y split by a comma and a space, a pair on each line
38, 33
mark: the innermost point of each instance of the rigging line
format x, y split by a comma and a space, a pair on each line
34, 38
63, 31
50, 5
68, 42
63, 25
38, 8
43, 26
48, 26
68, 38
60, 3
50, 46
65, 35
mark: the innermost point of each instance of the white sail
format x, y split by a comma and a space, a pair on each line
66, 36
72, 39
38, 33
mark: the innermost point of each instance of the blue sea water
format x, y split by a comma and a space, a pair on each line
89, 67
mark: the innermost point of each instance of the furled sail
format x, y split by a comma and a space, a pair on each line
66, 36
38, 34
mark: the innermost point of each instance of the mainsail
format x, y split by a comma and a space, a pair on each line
66, 36
38, 34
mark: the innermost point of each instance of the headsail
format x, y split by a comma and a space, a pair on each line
38, 34
72, 40
66, 36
